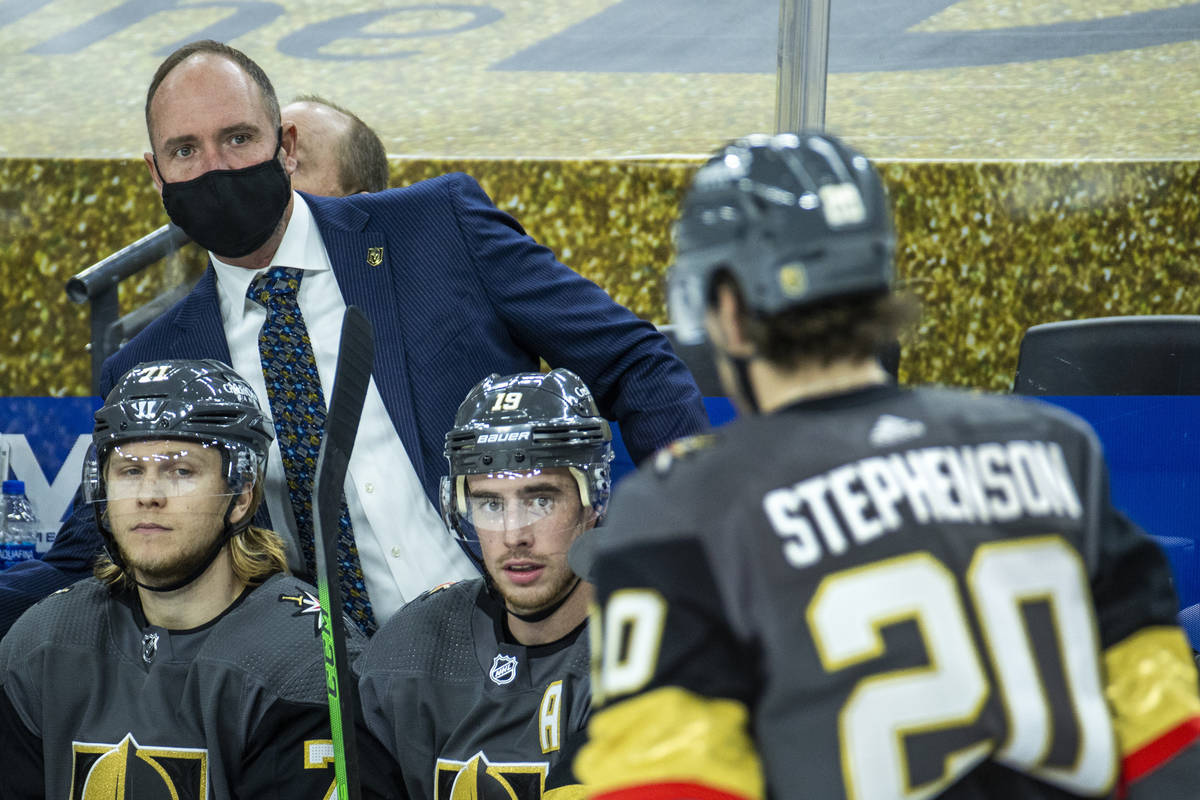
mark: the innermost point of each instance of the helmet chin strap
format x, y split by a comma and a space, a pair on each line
194, 574
538, 616
533, 616
741, 375
214, 551
740, 365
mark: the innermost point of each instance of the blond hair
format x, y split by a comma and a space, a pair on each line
255, 554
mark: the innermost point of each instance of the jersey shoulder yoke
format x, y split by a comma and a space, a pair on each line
430, 635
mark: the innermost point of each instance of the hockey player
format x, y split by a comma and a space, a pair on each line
190, 666
480, 688
858, 590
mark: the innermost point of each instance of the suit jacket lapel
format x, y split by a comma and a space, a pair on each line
362, 265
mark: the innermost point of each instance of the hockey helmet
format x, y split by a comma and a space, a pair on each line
524, 422
796, 219
202, 401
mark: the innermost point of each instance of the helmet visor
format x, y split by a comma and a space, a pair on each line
143, 470
514, 506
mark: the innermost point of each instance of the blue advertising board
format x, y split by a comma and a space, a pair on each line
46, 440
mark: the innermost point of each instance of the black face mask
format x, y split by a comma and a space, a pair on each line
231, 212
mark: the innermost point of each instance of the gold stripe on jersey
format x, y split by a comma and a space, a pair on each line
1151, 686
670, 735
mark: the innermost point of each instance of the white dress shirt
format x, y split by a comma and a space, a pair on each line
403, 546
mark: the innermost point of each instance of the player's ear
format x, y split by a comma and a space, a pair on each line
727, 322
154, 176
241, 506
590, 518
287, 140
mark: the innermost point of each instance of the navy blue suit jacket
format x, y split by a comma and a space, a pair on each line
461, 292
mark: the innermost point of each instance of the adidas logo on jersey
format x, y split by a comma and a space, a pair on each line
889, 430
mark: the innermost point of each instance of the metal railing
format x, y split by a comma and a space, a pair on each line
803, 65
97, 285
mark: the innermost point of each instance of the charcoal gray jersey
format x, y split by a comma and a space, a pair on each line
467, 713
886, 594
96, 703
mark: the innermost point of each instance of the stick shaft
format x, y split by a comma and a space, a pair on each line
355, 356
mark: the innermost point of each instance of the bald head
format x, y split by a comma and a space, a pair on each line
208, 114
337, 153
208, 51
320, 130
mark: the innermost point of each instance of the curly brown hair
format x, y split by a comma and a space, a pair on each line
852, 327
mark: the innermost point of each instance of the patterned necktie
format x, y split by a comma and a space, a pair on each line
298, 405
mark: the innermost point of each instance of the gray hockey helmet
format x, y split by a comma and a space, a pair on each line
523, 422
203, 401
796, 219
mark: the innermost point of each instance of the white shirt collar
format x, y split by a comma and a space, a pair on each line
301, 248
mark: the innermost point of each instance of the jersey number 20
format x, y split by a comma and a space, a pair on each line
849, 609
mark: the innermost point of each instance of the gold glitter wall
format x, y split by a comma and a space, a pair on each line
58, 216
993, 248
989, 248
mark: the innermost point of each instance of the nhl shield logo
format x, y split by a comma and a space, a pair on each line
149, 647
374, 256
504, 669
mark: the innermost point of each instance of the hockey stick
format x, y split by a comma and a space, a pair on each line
350, 382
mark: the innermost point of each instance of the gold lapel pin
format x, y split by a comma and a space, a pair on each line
374, 256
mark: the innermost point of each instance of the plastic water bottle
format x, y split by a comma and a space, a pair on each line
20, 525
